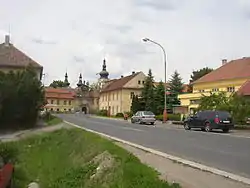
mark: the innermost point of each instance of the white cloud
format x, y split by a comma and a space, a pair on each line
76, 35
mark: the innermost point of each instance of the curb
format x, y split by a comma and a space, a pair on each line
172, 158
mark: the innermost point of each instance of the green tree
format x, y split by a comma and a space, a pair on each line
197, 74
136, 104
148, 92
58, 83
22, 96
159, 98
175, 88
215, 101
175, 83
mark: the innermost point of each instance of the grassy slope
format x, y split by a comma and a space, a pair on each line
53, 121
61, 160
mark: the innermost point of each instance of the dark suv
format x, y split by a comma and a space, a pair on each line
209, 120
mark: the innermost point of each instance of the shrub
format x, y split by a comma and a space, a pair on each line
102, 113
8, 152
130, 114
171, 117
119, 115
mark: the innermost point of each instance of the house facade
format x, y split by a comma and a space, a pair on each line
12, 59
59, 99
116, 95
229, 78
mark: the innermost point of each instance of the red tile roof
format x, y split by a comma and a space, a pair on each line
59, 93
232, 70
118, 83
245, 89
10, 56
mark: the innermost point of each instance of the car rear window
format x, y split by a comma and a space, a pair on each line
224, 114
148, 113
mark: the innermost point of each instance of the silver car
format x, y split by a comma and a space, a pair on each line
143, 117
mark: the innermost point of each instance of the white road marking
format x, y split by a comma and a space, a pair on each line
171, 157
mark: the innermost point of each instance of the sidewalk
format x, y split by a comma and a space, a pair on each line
21, 134
187, 177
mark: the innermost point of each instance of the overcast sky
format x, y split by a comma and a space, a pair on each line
75, 35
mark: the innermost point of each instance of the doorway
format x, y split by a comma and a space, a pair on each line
84, 110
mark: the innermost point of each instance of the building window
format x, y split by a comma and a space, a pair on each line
52, 101
69, 109
117, 109
57, 110
57, 102
113, 96
143, 82
65, 109
215, 89
51, 109
69, 102
231, 89
201, 90
139, 81
117, 95
132, 95
65, 102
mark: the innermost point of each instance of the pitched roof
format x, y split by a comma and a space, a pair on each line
10, 56
238, 68
59, 93
119, 83
245, 89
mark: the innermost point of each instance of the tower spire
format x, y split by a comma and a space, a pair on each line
104, 73
79, 84
66, 81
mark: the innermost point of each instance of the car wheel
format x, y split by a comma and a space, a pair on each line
207, 127
225, 130
152, 123
132, 121
186, 126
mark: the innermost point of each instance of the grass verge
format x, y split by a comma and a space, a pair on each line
76, 158
53, 120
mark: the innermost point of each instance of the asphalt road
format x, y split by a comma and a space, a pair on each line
228, 153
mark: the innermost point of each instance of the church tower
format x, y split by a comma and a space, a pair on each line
66, 81
104, 75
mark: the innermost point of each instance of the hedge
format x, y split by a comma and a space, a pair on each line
171, 117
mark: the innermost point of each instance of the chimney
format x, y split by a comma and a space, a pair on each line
7, 40
224, 61
121, 76
133, 72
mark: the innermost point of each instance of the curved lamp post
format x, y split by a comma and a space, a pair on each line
165, 72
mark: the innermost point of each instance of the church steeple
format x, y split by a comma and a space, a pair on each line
104, 73
66, 80
79, 84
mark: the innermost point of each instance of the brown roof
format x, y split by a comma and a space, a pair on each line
234, 69
59, 93
245, 89
10, 56
119, 83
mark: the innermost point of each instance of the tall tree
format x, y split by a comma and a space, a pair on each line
175, 88
175, 83
159, 98
148, 92
197, 74
58, 83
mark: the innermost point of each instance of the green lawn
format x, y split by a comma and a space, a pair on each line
75, 158
53, 121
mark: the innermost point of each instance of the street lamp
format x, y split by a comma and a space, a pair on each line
165, 72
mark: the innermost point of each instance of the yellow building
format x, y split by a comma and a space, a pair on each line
60, 99
117, 94
230, 77
12, 59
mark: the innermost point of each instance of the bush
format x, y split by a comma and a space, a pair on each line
171, 117
130, 114
102, 113
119, 115
8, 152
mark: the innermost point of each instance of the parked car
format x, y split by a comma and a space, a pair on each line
209, 120
143, 117
6, 173
248, 121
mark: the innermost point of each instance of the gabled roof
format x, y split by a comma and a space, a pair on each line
119, 83
232, 70
59, 93
245, 89
10, 56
